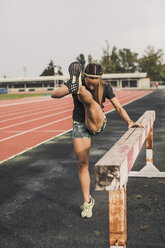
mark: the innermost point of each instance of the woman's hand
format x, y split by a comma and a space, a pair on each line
132, 124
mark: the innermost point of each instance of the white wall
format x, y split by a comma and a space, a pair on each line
144, 83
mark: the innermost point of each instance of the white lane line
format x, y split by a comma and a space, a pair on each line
51, 103
58, 120
32, 109
30, 130
27, 115
18, 103
42, 99
36, 119
61, 120
130, 101
122, 98
19, 153
61, 134
39, 118
41, 131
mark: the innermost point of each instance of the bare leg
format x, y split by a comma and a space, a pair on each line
94, 116
81, 149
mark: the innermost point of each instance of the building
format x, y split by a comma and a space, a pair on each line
128, 80
117, 80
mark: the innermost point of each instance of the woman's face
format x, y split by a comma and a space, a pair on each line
91, 82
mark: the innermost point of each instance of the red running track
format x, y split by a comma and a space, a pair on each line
28, 122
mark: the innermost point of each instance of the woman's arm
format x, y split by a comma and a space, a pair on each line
123, 113
60, 92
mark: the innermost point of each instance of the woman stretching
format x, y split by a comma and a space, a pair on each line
89, 92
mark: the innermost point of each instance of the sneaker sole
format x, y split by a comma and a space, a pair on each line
75, 74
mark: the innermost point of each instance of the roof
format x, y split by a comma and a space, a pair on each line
64, 78
125, 75
33, 79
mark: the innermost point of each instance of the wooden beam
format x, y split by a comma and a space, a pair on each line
111, 171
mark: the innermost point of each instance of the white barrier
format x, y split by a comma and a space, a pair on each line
113, 169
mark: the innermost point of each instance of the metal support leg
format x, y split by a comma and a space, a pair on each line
117, 218
149, 170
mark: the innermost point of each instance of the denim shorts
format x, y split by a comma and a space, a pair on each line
81, 131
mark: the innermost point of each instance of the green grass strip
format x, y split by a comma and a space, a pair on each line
20, 95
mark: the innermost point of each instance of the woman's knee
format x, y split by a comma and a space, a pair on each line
83, 164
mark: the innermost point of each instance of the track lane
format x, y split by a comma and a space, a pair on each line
32, 138
42, 118
22, 138
13, 109
32, 110
34, 119
35, 113
36, 124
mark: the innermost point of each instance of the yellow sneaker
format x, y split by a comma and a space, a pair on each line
87, 208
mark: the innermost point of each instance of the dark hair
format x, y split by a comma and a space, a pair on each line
93, 69
96, 69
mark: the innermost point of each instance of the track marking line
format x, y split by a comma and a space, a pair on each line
126, 97
30, 130
36, 119
22, 116
39, 118
8, 111
43, 99
132, 100
63, 133
35, 145
54, 115
18, 103
52, 106
41, 131
47, 111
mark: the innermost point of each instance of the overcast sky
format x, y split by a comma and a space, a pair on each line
32, 32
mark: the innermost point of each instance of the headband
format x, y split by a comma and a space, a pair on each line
88, 75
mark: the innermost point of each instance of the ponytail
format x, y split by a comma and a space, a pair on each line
99, 92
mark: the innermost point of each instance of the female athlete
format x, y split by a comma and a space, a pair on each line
89, 92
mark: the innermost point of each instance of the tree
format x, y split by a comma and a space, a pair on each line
115, 63
162, 73
127, 60
106, 59
118, 61
151, 62
81, 60
90, 60
49, 71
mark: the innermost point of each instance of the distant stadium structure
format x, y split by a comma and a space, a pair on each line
46, 83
